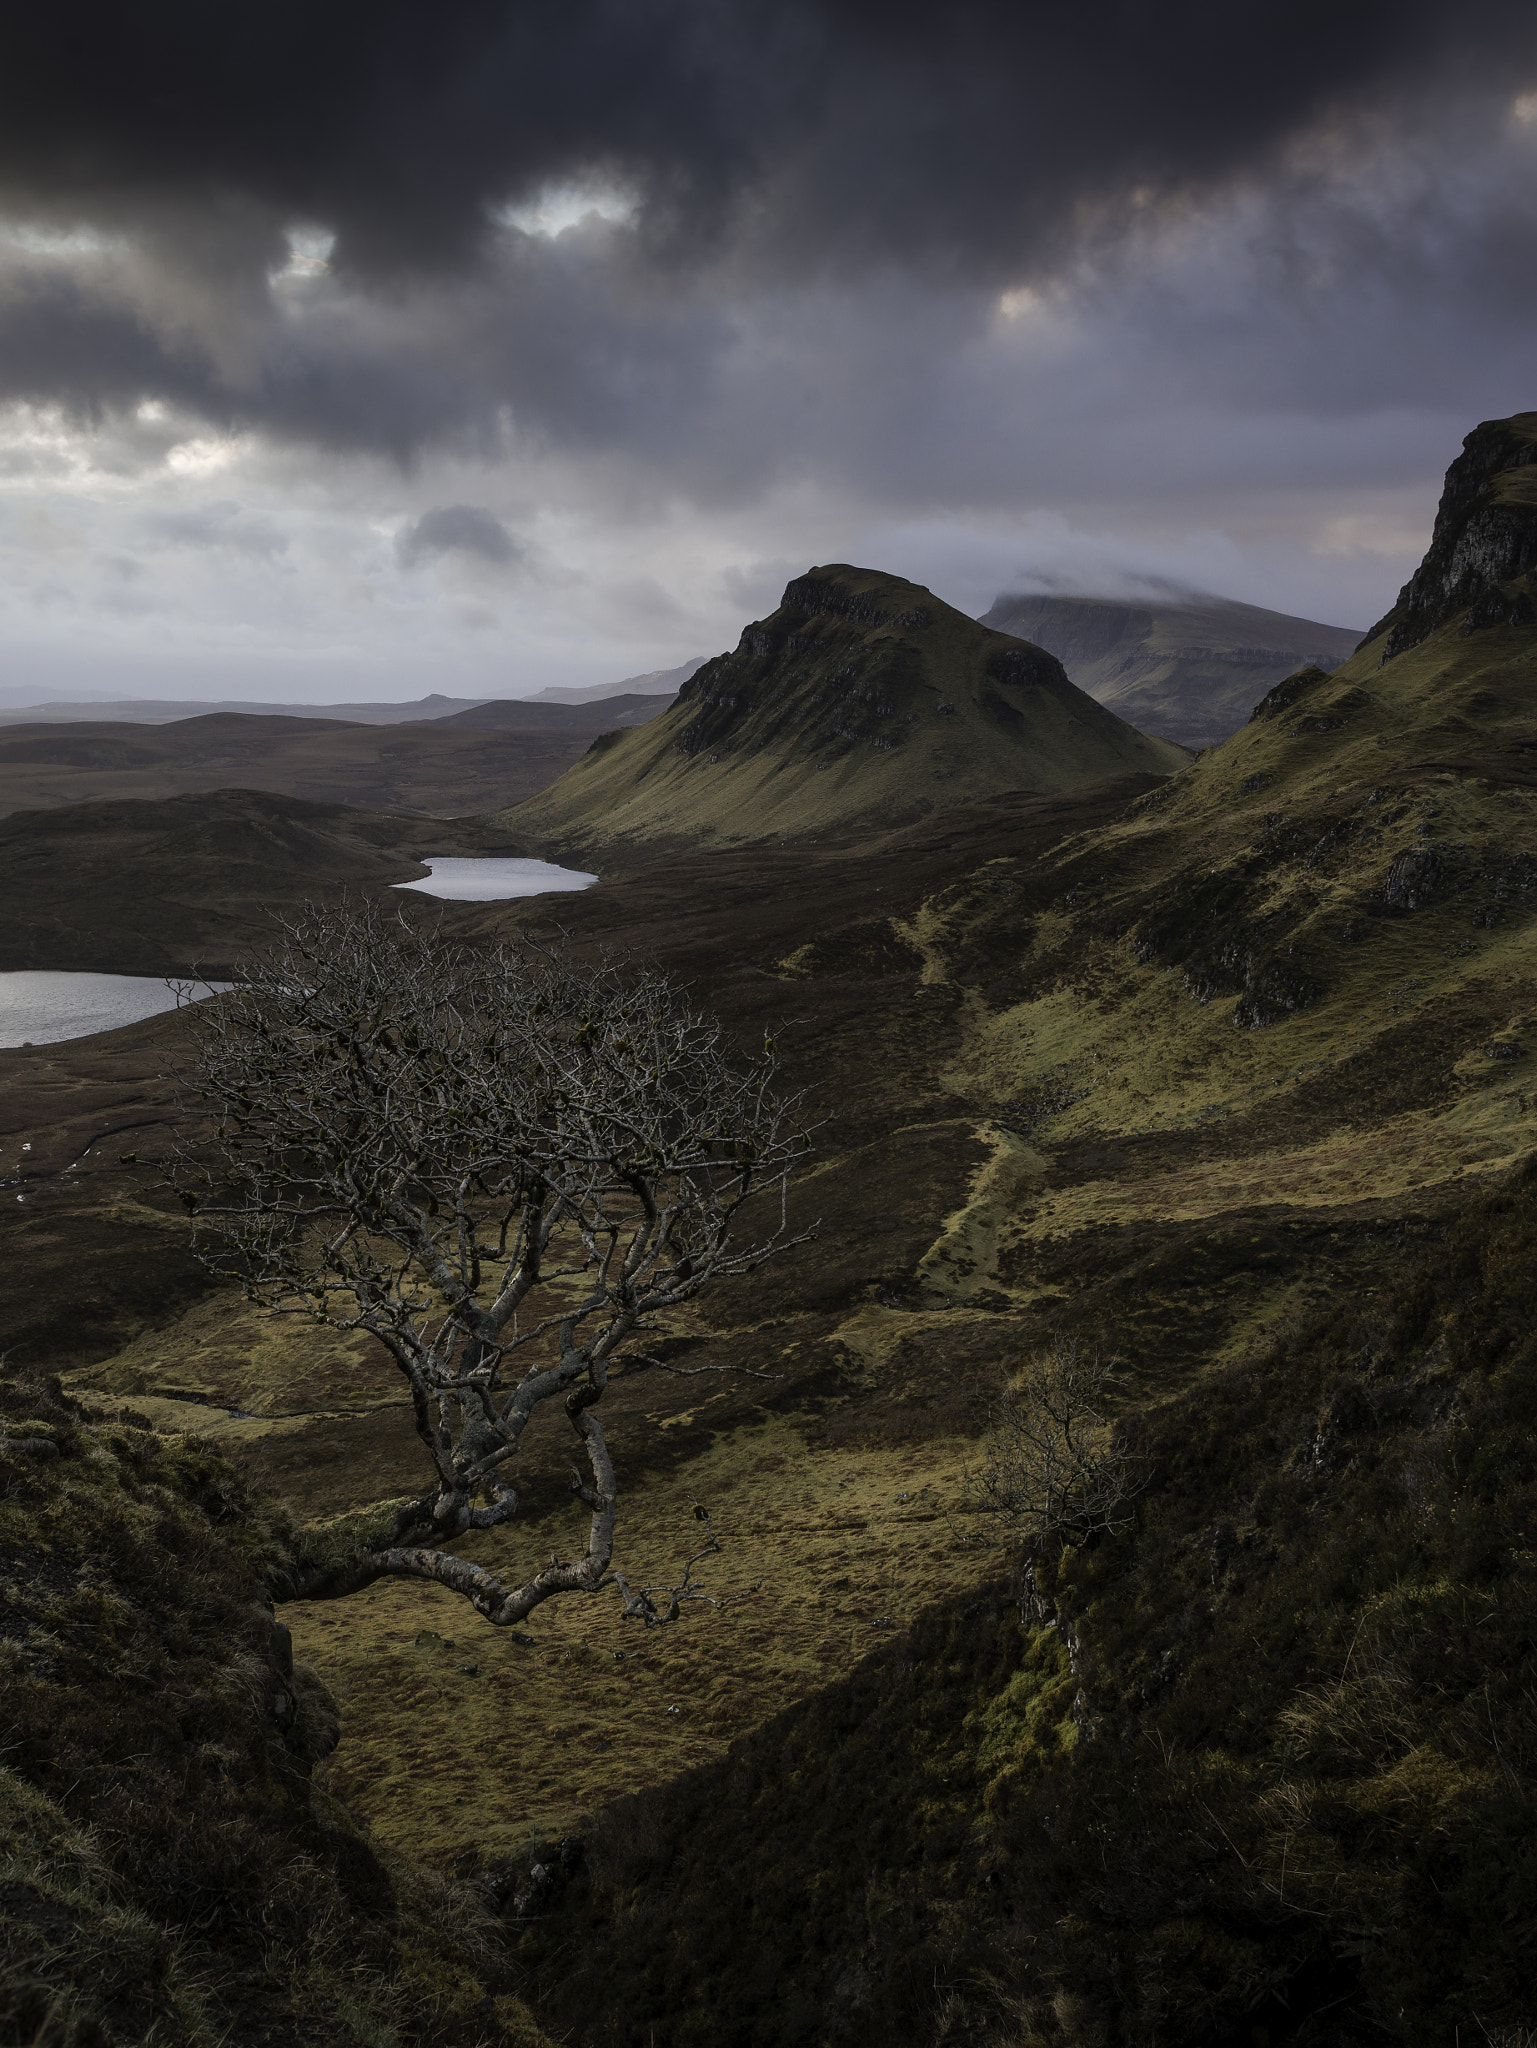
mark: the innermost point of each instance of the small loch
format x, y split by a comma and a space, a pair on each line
489, 878
42, 1006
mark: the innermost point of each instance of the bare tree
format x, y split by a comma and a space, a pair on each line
1055, 1466
503, 1165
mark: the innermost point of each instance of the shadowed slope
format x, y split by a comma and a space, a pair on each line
168, 1871
861, 703
186, 885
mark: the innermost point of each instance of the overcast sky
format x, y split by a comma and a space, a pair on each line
361, 350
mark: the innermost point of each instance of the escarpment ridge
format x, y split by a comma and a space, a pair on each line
1484, 546
861, 703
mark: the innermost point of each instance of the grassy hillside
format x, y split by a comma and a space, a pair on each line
861, 703
1266, 1777
1190, 672
1227, 1075
1257, 1053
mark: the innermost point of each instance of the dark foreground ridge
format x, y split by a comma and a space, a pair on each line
169, 1872
1262, 1775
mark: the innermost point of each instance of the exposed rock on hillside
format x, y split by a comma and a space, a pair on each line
861, 703
1485, 538
168, 1872
1190, 672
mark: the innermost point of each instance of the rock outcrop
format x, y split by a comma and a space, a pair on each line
1485, 538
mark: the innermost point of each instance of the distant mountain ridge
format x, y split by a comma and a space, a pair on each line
1190, 672
863, 702
654, 683
660, 684
171, 710
532, 714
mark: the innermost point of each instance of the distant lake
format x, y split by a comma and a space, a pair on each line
39, 1006
489, 880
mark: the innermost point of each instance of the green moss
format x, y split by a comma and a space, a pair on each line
1026, 1727
1281, 1790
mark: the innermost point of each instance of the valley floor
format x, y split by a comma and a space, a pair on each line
1033, 1130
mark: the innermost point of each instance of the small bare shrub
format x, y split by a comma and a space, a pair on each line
1056, 1468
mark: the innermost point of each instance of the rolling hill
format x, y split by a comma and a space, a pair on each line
1191, 671
454, 766
187, 884
861, 703
587, 715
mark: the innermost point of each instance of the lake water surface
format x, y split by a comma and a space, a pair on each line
488, 879
41, 1006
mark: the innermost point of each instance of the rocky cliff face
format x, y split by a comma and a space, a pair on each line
835, 669
1485, 537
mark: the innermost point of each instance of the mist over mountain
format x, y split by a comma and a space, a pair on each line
1190, 670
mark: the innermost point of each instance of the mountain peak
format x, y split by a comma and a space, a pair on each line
840, 591
1485, 536
861, 702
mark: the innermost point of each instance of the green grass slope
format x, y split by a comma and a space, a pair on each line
862, 702
1263, 1776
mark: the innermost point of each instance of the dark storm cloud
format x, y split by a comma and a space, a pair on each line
976, 131
834, 161
458, 529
